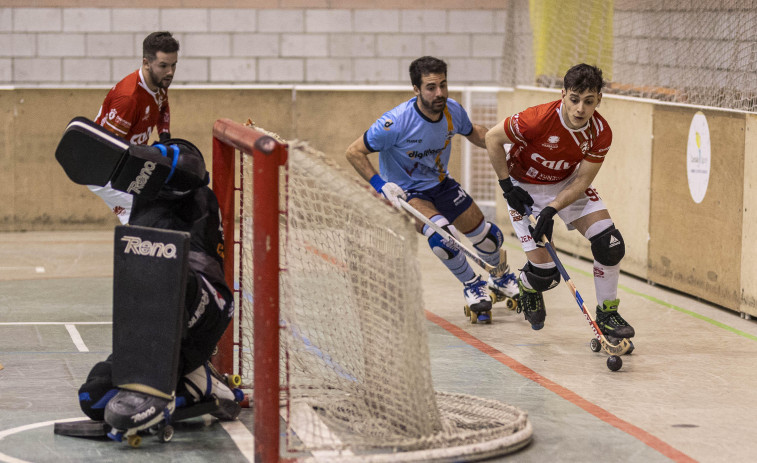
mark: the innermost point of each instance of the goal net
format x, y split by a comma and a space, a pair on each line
699, 52
353, 362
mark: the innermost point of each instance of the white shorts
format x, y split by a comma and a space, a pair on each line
118, 201
543, 195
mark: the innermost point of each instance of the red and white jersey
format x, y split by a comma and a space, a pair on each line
131, 110
545, 150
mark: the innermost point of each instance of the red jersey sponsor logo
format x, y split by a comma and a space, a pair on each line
131, 111
547, 151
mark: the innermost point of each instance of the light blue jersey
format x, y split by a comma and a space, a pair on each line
413, 150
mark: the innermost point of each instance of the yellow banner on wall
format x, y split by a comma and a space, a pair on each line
569, 32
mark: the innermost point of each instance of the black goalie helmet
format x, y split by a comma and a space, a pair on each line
188, 168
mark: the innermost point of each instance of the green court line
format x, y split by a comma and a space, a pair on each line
689, 312
663, 303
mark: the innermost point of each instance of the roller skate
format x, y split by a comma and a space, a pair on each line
504, 288
130, 412
531, 303
478, 303
613, 326
205, 384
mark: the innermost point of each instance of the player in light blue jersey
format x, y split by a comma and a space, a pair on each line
414, 143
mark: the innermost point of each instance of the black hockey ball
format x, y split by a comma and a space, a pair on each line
614, 363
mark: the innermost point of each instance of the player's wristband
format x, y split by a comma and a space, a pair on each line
377, 182
506, 184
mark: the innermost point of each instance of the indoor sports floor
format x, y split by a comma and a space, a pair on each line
687, 393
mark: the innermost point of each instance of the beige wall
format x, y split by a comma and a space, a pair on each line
702, 249
749, 220
39, 196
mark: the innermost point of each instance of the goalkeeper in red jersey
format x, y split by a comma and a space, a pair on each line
557, 150
137, 104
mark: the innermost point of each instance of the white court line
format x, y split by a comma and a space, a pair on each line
76, 338
242, 437
238, 432
37, 268
313, 432
54, 323
3, 434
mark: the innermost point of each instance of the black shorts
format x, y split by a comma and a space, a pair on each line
448, 198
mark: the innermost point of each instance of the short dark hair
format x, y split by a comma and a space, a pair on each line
582, 77
426, 65
158, 41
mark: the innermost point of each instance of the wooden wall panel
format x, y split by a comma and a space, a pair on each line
696, 248
330, 121
749, 210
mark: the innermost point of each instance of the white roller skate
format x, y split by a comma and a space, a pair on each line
504, 289
478, 303
206, 384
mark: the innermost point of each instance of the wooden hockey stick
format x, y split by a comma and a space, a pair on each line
453, 242
624, 345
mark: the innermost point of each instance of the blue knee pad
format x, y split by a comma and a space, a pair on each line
440, 248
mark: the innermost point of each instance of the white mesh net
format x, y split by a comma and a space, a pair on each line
355, 369
479, 180
701, 52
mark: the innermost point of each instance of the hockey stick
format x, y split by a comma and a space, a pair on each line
624, 345
453, 242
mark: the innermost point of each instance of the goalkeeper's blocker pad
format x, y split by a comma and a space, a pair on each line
150, 268
90, 155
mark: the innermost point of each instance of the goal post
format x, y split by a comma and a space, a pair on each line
330, 331
268, 154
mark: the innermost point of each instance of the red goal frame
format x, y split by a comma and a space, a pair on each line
268, 155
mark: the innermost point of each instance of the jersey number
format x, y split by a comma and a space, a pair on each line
592, 194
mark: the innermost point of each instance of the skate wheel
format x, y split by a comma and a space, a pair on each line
595, 345
166, 434
135, 440
537, 326
511, 303
466, 311
233, 381
631, 349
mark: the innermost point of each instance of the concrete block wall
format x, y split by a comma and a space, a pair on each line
289, 43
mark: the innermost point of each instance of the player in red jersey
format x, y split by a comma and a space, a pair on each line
557, 151
138, 103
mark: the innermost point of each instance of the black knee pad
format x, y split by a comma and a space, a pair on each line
95, 393
541, 279
608, 246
